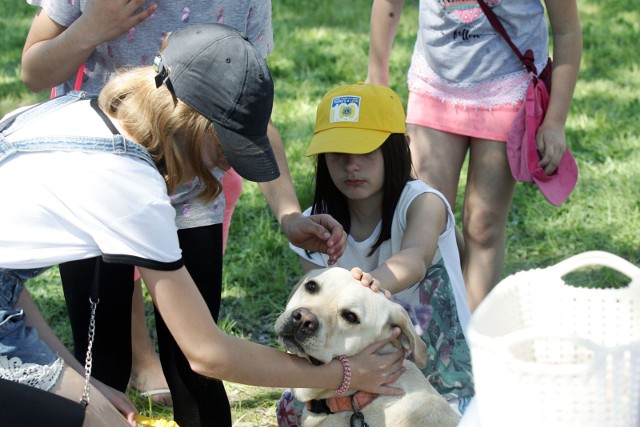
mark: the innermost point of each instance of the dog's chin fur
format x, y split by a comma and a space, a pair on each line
291, 346
307, 394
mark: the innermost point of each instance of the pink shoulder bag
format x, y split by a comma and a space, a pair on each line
522, 151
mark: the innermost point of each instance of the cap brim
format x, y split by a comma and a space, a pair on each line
346, 140
557, 187
252, 159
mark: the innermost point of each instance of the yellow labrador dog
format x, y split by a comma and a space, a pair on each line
328, 314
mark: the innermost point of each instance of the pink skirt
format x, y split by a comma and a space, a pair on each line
485, 123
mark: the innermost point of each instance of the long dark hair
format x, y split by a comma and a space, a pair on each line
397, 172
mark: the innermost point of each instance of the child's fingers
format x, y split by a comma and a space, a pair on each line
387, 293
395, 333
357, 273
366, 279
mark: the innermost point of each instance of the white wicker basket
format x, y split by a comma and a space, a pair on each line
549, 354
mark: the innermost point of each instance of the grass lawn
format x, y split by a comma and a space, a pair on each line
324, 43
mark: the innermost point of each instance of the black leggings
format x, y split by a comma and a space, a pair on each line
197, 400
23, 405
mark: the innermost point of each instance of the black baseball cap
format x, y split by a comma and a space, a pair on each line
215, 70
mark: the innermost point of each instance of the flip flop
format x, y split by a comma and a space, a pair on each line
155, 392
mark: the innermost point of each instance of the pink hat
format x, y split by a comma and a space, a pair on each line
523, 154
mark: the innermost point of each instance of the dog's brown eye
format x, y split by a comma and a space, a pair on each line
312, 287
350, 317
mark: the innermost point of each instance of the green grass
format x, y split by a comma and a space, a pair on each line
324, 43
14, 25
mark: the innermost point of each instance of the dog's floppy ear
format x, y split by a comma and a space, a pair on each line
408, 337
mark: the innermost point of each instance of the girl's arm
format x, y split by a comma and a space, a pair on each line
319, 233
52, 52
215, 354
567, 51
426, 220
36, 320
385, 16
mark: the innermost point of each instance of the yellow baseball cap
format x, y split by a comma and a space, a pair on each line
356, 119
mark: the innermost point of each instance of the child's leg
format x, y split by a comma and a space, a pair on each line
438, 158
112, 347
490, 187
197, 400
146, 371
20, 400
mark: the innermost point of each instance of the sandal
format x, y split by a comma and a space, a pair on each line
161, 396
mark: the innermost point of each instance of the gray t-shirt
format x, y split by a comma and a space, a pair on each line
140, 45
461, 45
459, 57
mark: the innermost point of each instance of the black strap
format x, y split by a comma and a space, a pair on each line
526, 59
95, 283
318, 406
103, 116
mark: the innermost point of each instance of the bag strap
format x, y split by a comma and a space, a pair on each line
76, 86
526, 59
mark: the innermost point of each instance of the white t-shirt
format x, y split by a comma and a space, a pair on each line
355, 254
139, 46
61, 206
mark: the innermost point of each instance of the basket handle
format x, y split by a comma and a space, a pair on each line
598, 258
531, 334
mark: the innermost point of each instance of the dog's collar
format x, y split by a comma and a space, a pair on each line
331, 405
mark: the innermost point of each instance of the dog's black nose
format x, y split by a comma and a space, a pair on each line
304, 321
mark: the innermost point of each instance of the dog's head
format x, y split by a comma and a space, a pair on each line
329, 313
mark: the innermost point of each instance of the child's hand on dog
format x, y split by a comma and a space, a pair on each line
375, 372
367, 280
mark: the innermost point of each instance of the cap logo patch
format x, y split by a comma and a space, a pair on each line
345, 109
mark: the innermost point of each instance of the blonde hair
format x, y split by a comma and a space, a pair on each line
155, 118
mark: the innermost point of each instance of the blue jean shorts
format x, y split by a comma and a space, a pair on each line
24, 357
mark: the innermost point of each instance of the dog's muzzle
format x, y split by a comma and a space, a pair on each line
304, 322
298, 328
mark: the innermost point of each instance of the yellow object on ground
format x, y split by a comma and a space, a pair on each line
154, 422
